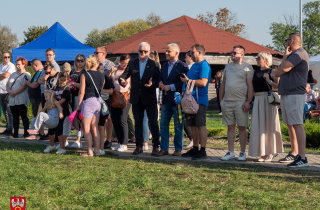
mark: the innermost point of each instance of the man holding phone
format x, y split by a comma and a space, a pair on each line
170, 83
293, 73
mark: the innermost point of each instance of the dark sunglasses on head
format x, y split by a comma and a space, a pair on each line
81, 60
7, 57
143, 51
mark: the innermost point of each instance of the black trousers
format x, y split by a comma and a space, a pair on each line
17, 111
152, 113
218, 101
120, 123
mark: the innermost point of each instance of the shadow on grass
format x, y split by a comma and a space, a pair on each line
301, 175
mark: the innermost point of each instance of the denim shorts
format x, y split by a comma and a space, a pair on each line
90, 107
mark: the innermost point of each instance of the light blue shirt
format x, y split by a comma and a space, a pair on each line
142, 66
172, 87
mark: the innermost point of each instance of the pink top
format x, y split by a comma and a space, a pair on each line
117, 86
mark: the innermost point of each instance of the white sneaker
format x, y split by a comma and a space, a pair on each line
220, 113
49, 149
228, 156
122, 148
61, 151
242, 156
102, 152
66, 144
117, 147
189, 146
76, 144
58, 146
145, 148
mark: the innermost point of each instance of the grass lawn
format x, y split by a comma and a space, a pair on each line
50, 181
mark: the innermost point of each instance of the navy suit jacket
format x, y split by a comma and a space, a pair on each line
173, 78
138, 90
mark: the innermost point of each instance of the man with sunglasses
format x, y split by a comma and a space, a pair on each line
144, 75
6, 69
101, 52
236, 93
293, 73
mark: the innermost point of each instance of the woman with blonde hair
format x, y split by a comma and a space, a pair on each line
265, 134
91, 80
75, 75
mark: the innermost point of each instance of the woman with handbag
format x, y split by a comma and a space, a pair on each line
18, 97
120, 105
91, 83
265, 134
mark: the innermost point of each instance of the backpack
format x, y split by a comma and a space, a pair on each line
188, 103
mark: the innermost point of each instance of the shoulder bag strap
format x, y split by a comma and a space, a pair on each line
94, 84
16, 80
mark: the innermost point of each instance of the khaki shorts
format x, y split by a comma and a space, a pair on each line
232, 113
292, 109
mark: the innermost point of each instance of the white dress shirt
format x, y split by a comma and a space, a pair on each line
4, 69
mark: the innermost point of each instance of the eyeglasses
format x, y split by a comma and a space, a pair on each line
81, 60
286, 40
258, 58
96, 53
7, 57
143, 51
234, 53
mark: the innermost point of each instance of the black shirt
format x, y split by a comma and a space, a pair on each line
63, 93
52, 81
259, 83
98, 79
35, 92
108, 83
76, 77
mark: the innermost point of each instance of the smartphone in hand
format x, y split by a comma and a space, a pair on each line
25, 77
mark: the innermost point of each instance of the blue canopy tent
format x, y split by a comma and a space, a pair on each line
66, 46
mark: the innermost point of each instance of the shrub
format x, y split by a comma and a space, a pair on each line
312, 129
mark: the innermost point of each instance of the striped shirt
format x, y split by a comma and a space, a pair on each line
310, 96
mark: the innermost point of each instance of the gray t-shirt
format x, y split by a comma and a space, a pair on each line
294, 82
56, 68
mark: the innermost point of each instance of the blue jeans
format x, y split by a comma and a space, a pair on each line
166, 114
145, 127
307, 107
7, 112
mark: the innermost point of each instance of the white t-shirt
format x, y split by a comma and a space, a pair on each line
236, 88
23, 97
4, 69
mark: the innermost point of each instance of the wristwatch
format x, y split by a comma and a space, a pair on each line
270, 82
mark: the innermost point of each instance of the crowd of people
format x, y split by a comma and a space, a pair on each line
143, 85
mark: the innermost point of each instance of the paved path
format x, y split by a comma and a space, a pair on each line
214, 154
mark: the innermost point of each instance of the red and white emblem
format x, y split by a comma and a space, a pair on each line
18, 203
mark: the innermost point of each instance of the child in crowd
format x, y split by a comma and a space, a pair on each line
63, 95
50, 119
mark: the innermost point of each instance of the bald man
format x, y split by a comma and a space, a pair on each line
293, 73
34, 92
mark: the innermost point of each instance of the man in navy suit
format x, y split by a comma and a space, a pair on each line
170, 83
144, 75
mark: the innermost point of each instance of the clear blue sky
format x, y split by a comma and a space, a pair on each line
79, 17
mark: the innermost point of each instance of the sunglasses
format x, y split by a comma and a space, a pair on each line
234, 53
286, 40
81, 60
96, 53
258, 58
7, 57
143, 51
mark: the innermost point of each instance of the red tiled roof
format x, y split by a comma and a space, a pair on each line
186, 31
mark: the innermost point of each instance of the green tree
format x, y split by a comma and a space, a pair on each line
225, 20
33, 33
311, 27
280, 31
116, 32
8, 40
153, 20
